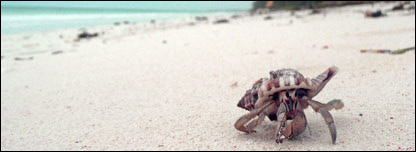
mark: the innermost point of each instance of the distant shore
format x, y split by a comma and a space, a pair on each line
21, 20
127, 26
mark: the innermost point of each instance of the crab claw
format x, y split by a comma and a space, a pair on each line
321, 80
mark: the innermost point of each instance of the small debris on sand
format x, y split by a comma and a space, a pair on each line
234, 85
375, 51
235, 16
268, 18
270, 52
398, 7
23, 59
86, 35
399, 51
31, 45
221, 21
325, 47
57, 52
360, 114
315, 11
374, 14
201, 18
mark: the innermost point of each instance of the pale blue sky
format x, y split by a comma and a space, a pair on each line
154, 5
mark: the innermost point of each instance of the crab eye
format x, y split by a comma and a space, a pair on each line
287, 94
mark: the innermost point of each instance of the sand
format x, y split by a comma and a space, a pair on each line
176, 87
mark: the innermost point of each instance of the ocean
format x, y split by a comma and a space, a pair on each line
25, 19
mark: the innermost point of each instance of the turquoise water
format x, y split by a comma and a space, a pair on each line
19, 18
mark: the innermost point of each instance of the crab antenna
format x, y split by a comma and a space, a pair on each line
292, 94
282, 96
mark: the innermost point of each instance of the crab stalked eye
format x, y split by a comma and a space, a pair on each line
287, 94
272, 74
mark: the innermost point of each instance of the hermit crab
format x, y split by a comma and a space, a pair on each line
282, 97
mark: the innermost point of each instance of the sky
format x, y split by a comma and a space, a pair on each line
153, 5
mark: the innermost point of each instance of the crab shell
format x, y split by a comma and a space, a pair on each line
280, 80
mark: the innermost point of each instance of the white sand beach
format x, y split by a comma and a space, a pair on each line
176, 86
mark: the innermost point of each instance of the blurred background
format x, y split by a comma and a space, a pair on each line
19, 17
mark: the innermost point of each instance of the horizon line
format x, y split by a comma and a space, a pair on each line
127, 9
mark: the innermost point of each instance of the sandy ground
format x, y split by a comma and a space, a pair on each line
172, 88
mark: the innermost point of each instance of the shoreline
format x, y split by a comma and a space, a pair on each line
117, 29
108, 19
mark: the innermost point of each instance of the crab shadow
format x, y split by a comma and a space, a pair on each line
318, 131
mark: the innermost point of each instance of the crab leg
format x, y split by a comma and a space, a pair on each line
281, 116
257, 121
239, 124
324, 111
333, 104
281, 122
263, 114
